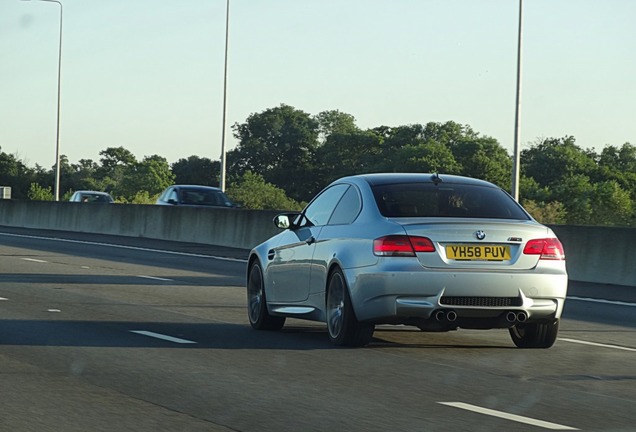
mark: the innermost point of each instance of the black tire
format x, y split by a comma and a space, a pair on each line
259, 317
342, 325
535, 335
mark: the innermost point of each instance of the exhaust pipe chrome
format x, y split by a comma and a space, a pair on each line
511, 317
522, 317
451, 316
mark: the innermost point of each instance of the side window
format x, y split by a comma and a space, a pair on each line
321, 208
347, 209
172, 195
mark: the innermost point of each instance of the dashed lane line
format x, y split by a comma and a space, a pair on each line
162, 337
155, 278
34, 260
507, 416
594, 300
582, 342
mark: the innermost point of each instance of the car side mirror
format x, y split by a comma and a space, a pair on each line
285, 220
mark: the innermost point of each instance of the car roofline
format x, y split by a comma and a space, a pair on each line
376, 179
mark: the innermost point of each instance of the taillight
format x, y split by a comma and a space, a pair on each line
548, 248
402, 245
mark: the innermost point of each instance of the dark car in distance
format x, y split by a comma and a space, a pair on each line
194, 195
89, 196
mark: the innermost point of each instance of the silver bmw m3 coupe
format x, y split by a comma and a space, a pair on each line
438, 252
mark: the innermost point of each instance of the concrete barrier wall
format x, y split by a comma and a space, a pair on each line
594, 254
219, 226
599, 254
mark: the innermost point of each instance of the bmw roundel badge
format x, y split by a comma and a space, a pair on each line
480, 235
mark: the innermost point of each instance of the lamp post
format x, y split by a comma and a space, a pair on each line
516, 164
227, 38
57, 133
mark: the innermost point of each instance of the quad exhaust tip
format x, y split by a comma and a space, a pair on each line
449, 316
513, 317
516, 317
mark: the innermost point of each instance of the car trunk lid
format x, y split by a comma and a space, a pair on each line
478, 244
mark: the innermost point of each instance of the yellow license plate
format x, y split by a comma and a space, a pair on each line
478, 252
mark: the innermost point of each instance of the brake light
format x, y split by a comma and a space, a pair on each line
402, 245
548, 248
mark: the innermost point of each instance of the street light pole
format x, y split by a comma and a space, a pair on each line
516, 164
227, 38
59, 87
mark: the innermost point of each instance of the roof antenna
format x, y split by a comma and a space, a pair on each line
436, 179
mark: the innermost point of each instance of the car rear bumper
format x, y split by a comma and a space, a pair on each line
401, 297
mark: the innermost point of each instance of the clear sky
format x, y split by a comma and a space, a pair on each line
148, 75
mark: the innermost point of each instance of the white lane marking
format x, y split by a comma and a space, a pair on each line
618, 347
34, 260
163, 337
593, 300
503, 415
53, 310
2, 298
126, 247
154, 278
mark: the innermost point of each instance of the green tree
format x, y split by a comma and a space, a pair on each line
115, 162
484, 158
151, 175
611, 205
197, 170
620, 159
619, 164
279, 144
114, 157
397, 144
84, 176
444, 147
425, 157
67, 195
398, 137
253, 192
14, 173
551, 160
531, 190
346, 153
38, 193
575, 192
449, 133
334, 121
547, 213
143, 197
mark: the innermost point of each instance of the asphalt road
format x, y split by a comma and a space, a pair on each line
153, 336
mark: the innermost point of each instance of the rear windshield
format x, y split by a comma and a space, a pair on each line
446, 200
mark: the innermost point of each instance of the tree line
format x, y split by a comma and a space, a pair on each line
284, 156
